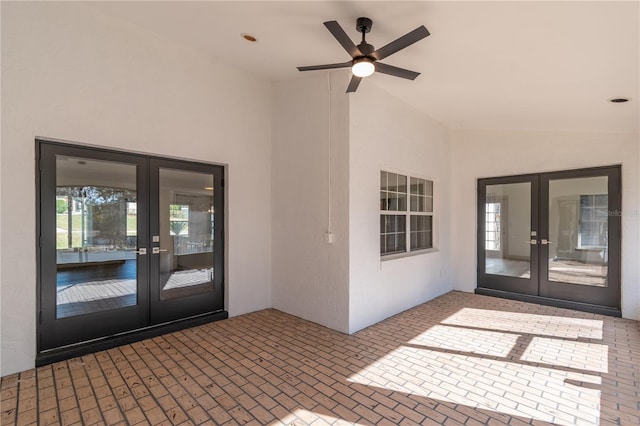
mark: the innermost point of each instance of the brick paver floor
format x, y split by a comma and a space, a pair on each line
458, 359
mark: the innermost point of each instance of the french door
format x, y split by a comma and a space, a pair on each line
126, 242
552, 235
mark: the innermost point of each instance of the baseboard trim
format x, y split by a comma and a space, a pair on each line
558, 303
59, 354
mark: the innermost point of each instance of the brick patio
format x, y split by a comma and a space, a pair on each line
458, 359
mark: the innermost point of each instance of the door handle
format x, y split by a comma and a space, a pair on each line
545, 242
533, 242
156, 250
141, 251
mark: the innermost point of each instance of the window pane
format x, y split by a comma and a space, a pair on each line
401, 242
579, 253
391, 243
402, 183
393, 182
402, 202
601, 214
586, 213
384, 202
401, 223
586, 200
401, 193
428, 204
421, 232
186, 233
96, 235
417, 186
392, 240
392, 202
428, 242
428, 187
419, 203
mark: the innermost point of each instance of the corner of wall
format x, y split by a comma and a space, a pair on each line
309, 198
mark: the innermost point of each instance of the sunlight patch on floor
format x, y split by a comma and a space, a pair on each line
467, 340
306, 417
563, 353
536, 393
518, 322
535, 367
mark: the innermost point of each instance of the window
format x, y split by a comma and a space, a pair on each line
594, 221
492, 226
179, 219
406, 213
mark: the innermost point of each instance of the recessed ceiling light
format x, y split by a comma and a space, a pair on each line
250, 38
619, 100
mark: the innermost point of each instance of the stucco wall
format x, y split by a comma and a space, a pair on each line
70, 72
480, 154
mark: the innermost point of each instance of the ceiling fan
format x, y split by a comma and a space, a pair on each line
364, 57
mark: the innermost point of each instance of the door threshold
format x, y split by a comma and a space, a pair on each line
59, 354
558, 303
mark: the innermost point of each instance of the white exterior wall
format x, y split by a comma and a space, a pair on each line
72, 73
69, 72
387, 134
310, 276
481, 154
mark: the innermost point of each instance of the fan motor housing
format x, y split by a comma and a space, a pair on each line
363, 25
366, 48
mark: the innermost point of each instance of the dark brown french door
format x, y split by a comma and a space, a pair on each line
126, 242
552, 235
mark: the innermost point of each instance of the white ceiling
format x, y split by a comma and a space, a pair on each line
541, 65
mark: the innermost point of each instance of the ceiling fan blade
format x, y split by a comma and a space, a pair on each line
342, 37
395, 71
399, 44
325, 67
353, 84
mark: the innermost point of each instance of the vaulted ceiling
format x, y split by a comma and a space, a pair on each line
541, 65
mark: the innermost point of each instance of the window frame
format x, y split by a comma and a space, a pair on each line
599, 219
407, 213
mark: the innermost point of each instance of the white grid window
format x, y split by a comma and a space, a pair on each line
405, 226
594, 221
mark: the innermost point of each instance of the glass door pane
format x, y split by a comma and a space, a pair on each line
93, 267
507, 226
186, 233
578, 231
96, 235
187, 250
580, 236
507, 234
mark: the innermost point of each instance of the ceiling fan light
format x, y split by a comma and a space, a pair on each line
363, 67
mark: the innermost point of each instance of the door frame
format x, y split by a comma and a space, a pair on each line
590, 295
57, 332
116, 334
162, 311
500, 282
495, 285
